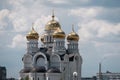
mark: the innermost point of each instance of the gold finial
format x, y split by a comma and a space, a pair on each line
73, 27
53, 14
33, 26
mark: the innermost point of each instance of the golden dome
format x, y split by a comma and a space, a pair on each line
52, 24
58, 33
73, 36
32, 34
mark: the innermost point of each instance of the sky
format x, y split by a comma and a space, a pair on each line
96, 21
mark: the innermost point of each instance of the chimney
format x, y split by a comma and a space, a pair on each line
100, 73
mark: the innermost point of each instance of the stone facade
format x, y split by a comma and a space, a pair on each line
52, 61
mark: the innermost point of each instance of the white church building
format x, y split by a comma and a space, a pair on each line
52, 61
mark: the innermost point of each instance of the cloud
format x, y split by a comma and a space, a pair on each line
68, 2
16, 2
109, 14
86, 12
108, 55
4, 13
18, 41
25, 13
100, 13
92, 24
19, 23
97, 29
58, 1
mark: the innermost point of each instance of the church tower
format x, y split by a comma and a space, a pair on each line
50, 27
52, 60
73, 39
59, 42
32, 41
74, 55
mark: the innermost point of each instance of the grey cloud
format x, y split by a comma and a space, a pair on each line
110, 14
4, 4
100, 31
83, 3
101, 13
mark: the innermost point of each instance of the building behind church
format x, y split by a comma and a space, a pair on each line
3, 73
108, 76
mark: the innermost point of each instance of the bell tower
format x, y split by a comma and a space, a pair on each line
73, 39
32, 41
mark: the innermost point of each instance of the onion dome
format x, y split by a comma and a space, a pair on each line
73, 36
32, 35
53, 70
39, 69
59, 33
52, 24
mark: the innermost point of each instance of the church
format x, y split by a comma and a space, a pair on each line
52, 60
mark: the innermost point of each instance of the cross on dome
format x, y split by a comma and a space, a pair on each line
53, 14
73, 27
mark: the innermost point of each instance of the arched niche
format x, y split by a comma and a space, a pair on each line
78, 58
55, 58
55, 61
39, 60
77, 61
66, 58
27, 60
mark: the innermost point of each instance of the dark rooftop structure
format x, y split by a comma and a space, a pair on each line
2, 73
